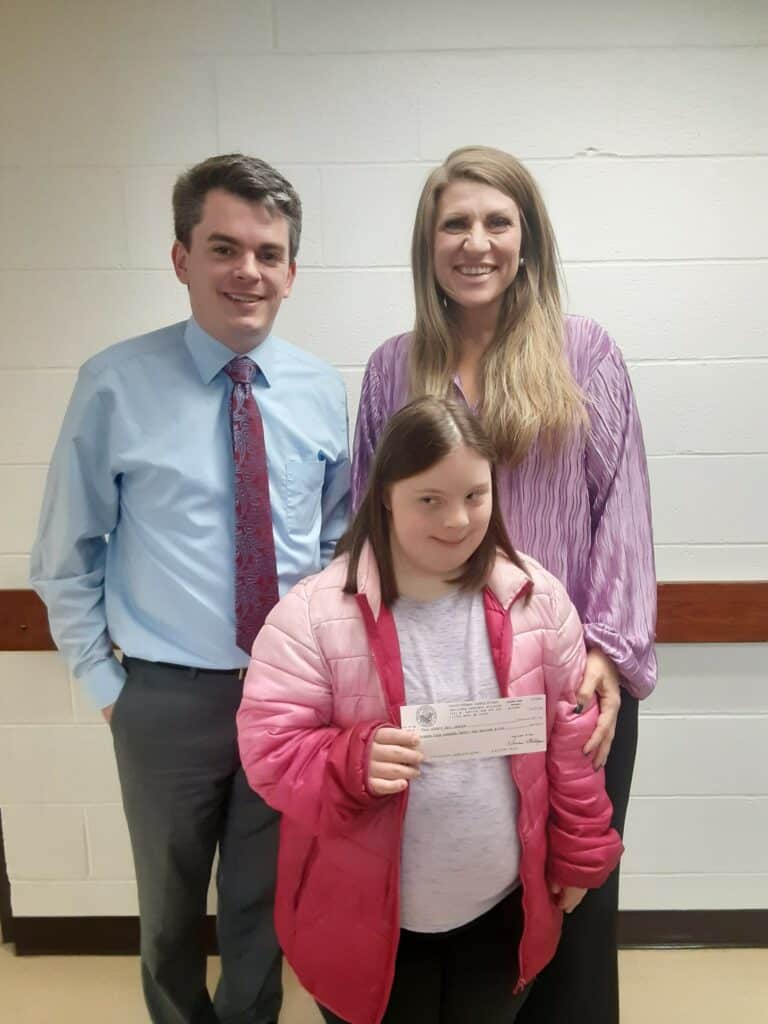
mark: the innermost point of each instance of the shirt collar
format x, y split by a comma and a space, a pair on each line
460, 391
210, 356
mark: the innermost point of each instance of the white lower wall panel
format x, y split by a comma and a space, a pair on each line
74, 899
80, 899
34, 688
45, 842
108, 843
693, 892
705, 679
696, 835
702, 755
58, 764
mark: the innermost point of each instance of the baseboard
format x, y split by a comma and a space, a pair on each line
86, 936
638, 929
642, 929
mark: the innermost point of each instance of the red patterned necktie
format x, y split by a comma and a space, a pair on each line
256, 590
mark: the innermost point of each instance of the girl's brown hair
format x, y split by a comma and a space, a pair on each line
527, 388
415, 439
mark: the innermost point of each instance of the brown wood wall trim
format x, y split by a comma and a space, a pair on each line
638, 929
728, 612
23, 622
689, 613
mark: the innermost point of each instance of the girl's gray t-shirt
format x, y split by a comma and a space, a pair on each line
460, 852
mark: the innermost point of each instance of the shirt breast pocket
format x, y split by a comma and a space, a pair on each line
304, 479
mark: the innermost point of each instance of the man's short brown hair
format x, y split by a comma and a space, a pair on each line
243, 176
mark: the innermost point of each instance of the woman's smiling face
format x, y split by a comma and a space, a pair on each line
477, 241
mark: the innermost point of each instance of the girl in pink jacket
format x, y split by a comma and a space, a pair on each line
413, 888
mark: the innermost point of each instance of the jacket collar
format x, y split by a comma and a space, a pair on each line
506, 582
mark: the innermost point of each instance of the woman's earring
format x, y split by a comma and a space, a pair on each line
521, 261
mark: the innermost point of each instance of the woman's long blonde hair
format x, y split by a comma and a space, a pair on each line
527, 389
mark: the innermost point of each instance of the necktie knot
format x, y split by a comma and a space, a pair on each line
241, 369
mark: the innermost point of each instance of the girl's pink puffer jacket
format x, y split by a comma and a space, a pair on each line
325, 673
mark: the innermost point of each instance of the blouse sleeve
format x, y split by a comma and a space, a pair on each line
620, 611
372, 415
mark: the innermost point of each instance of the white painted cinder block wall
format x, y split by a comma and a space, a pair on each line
647, 128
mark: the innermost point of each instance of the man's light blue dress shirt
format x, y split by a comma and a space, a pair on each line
136, 537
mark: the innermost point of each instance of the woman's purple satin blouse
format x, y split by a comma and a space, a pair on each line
584, 512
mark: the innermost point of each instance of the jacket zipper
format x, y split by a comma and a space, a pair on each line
394, 701
504, 651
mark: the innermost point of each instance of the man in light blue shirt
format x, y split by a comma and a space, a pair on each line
136, 548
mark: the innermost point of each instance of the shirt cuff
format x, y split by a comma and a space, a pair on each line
104, 681
638, 678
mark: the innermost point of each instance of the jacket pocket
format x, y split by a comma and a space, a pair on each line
306, 870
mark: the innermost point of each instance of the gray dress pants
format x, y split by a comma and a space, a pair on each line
185, 794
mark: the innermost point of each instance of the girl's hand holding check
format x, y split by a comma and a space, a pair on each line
395, 760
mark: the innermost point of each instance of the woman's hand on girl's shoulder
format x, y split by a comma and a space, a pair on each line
395, 760
601, 679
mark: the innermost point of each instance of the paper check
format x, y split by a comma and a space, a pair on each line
489, 728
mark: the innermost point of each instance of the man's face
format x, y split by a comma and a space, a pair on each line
237, 269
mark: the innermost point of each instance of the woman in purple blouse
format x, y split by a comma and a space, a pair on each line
554, 394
